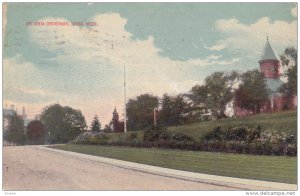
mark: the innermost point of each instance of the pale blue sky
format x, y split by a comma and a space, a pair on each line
167, 47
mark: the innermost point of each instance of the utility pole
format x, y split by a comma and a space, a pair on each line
125, 116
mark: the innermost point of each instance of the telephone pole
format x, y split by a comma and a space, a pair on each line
125, 116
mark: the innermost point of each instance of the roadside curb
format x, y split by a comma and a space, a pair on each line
238, 183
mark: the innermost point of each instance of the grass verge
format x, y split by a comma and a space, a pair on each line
269, 168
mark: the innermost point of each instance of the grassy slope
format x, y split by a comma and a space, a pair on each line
270, 168
282, 122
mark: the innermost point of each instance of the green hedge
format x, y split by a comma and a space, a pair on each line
250, 140
242, 139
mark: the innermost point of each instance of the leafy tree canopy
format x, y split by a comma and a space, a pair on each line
174, 110
216, 92
36, 131
289, 60
63, 123
140, 111
14, 132
252, 92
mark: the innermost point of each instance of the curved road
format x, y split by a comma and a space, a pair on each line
32, 168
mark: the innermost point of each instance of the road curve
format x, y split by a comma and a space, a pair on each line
32, 168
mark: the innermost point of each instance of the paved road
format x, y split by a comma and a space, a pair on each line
32, 168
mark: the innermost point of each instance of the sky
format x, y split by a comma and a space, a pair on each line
166, 48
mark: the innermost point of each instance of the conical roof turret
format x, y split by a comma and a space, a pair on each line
115, 111
268, 53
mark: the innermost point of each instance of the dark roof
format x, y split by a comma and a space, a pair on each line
115, 110
268, 53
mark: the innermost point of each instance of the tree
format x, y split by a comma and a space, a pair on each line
63, 123
220, 92
15, 130
252, 92
96, 125
198, 94
35, 131
214, 95
289, 60
140, 111
174, 111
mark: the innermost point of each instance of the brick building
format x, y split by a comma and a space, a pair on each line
117, 125
269, 66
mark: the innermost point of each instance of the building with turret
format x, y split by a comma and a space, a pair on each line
269, 66
118, 126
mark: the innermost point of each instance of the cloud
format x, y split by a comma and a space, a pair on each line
249, 39
109, 46
216, 47
25, 95
21, 82
294, 11
108, 41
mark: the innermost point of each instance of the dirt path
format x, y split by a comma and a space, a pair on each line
32, 168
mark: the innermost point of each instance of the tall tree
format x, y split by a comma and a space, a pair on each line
198, 94
96, 125
174, 110
140, 111
252, 92
220, 92
63, 123
214, 95
35, 131
15, 131
289, 60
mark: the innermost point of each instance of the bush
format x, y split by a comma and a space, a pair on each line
132, 136
290, 150
153, 133
241, 139
180, 137
90, 137
250, 140
241, 133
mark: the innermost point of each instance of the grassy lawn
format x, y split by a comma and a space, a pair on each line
270, 168
281, 122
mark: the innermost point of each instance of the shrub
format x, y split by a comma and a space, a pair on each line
180, 137
216, 134
241, 133
132, 136
90, 137
290, 150
241, 139
250, 140
153, 133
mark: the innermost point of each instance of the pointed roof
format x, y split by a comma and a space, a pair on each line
268, 53
115, 110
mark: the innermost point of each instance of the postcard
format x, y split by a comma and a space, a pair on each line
150, 96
